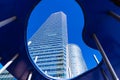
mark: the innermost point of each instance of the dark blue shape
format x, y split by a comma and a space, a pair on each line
97, 20
13, 37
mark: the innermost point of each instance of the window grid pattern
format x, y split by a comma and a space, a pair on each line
49, 44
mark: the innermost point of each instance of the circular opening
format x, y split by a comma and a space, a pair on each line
55, 42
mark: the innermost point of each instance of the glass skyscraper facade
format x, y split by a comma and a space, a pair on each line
6, 76
49, 44
75, 61
55, 57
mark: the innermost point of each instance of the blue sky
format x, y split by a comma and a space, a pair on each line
75, 21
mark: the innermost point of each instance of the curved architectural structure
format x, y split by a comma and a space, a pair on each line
102, 17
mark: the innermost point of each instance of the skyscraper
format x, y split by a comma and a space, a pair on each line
49, 44
56, 57
75, 61
6, 76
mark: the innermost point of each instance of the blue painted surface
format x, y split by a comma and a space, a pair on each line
13, 39
106, 27
97, 20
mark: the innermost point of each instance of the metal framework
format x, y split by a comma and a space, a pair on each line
105, 58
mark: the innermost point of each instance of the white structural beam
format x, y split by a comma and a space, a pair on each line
115, 15
30, 75
7, 21
8, 64
97, 61
102, 71
29, 42
35, 59
105, 58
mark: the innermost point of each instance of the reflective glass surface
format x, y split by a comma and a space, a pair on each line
55, 39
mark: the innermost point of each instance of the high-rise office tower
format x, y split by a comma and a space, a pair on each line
6, 76
49, 44
75, 61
